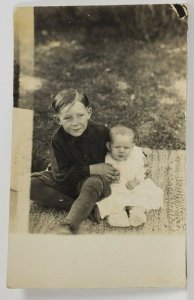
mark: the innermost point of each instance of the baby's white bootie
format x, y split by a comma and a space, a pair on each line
137, 216
119, 220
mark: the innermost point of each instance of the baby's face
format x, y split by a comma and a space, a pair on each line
121, 147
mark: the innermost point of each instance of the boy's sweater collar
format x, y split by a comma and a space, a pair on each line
74, 139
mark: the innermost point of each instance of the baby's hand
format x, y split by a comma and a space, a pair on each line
132, 184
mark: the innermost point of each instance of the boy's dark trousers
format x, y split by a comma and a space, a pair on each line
90, 190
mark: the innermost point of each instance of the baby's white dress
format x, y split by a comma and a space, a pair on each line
146, 195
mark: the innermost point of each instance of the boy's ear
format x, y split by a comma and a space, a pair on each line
56, 118
108, 146
89, 109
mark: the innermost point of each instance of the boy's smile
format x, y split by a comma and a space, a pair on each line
74, 118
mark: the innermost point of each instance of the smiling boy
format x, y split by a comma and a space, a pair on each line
78, 176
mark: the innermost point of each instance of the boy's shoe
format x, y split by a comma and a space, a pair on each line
137, 216
64, 229
95, 215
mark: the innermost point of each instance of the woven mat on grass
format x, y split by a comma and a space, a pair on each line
167, 171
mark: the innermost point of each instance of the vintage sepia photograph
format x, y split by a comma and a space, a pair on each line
99, 130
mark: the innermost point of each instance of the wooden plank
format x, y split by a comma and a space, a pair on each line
20, 169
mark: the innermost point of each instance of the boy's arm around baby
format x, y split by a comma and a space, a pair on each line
141, 166
69, 166
104, 169
64, 171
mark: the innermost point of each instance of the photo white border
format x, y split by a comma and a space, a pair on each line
6, 87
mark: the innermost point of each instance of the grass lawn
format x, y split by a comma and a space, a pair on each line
141, 84
166, 170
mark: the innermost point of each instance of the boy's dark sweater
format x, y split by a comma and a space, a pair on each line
71, 156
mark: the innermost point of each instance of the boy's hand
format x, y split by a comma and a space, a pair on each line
104, 169
132, 184
117, 179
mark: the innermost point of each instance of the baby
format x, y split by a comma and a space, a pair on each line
130, 190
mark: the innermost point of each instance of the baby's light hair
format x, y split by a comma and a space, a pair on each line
68, 96
120, 130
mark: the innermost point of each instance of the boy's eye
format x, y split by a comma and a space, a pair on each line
80, 115
67, 118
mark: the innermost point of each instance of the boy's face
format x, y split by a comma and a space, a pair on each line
74, 119
120, 147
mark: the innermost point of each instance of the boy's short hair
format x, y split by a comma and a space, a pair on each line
121, 130
68, 96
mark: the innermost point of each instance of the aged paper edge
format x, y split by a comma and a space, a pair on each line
46, 261
95, 262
